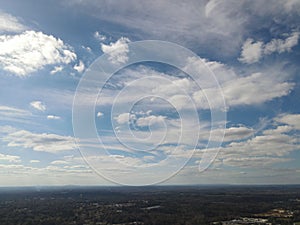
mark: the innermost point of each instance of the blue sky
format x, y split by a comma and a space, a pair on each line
236, 93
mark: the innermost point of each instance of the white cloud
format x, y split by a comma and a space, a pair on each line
43, 142
176, 86
38, 105
31, 51
248, 90
34, 161
253, 51
8, 113
59, 162
9, 23
117, 52
53, 117
237, 89
10, 158
204, 67
56, 69
232, 133
214, 26
80, 67
99, 114
269, 147
281, 45
122, 118
149, 120
291, 119
99, 36
254, 89
253, 162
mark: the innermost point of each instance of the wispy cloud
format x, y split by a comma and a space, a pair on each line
9, 23
99, 36
8, 113
53, 117
56, 69
38, 105
42, 142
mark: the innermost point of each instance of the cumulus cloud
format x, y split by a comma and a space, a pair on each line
43, 142
253, 51
31, 51
117, 52
122, 118
38, 105
34, 161
53, 117
9, 23
79, 67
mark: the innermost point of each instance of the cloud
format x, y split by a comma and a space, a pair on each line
149, 120
123, 118
254, 89
80, 67
38, 105
56, 69
99, 114
213, 26
253, 162
271, 146
232, 133
34, 161
59, 162
249, 90
42, 142
10, 158
8, 113
280, 45
99, 36
31, 51
291, 119
53, 117
117, 52
253, 51
9, 23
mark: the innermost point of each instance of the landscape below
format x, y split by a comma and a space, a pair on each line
150, 205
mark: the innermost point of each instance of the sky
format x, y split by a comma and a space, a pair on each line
134, 92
